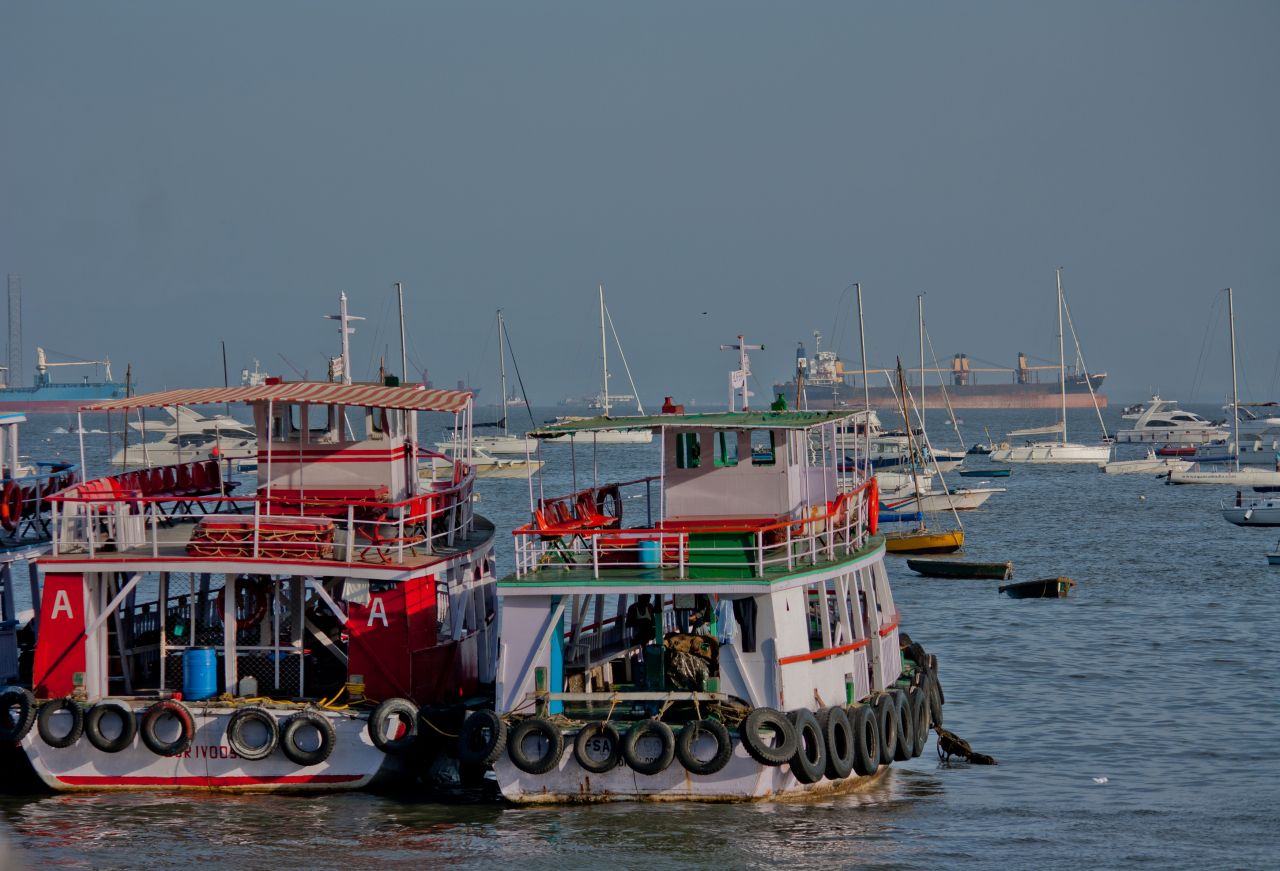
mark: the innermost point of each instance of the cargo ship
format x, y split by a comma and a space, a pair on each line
825, 383
46, 395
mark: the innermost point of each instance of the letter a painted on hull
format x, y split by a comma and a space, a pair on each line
61, 604
377, 611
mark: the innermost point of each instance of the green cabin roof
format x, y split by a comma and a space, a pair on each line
713, 420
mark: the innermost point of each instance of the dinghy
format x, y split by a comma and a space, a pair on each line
1044, 588
956, 568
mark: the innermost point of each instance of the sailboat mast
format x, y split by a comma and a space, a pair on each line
1235, 395
866, 388
920, 317
404, 355
502, 369
604, 358
1062, 357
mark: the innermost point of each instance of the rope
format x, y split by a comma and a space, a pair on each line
438, 729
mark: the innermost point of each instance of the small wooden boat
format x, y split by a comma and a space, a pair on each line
924, 541
955, 568
1044, 588
984, 473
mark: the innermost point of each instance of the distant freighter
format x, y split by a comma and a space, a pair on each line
47, 395
827, 384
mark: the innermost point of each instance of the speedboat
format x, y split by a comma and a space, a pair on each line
1162, 422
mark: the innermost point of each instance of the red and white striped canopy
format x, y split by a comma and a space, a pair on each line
409, 397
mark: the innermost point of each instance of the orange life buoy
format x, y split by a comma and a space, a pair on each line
255, 590
10, 506
873, 506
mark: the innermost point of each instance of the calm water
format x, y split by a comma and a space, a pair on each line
1158, 677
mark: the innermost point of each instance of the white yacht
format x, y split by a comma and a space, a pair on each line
1162, 422
1253, 512
188, 436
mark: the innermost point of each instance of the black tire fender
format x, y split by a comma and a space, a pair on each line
394, 709
128, 725
482, 739
235, 733
535, 764
758, 747
44, 722
809, 763
906, 727
837, 733
918, 700
182, 714
687, 739
13, 728
596, 736
886, 713
289, 738
866, 739
649, 729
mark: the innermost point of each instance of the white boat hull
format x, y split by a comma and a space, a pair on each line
1150, 465
1265, 513
1241, 478
210, 764
1052, 452
743, 779
961, 499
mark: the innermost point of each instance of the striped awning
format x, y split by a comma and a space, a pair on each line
409, 397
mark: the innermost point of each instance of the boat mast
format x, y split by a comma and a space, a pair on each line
404, 357
866, 388
1235, 395
1062, 358
920, 317
502, 369
604, 358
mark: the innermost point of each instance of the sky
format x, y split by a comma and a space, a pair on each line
173, 175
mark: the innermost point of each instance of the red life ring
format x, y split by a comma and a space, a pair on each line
255, 588
10, 506
873, 506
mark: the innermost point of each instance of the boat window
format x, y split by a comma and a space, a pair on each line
726, 448
375, 422
193, 440
285, 425
762, 447
688, 450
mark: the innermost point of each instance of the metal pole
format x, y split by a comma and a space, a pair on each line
604, 358
866, 388
502, 369
404, 356
1235, 395
920, 316
1062, 358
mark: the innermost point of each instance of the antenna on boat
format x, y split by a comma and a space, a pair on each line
341, 366
738, 377
404, 356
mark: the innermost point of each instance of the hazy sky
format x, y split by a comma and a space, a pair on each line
172, 174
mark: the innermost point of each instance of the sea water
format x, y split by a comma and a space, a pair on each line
1135, 722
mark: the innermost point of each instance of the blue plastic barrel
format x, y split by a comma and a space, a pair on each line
200, 673
650, 553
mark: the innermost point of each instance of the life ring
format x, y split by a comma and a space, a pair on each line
666, 747
886, 715
598, 747
14, 728
838, 735
44, 722
482, 739
866, 739
609, 502
686, 746
906, 727
400, 717
11, 506
295, 751
256, 588
110, 708
809, 763
240, 745
918, 701
537, 728
186, 730
873, 505
774, 750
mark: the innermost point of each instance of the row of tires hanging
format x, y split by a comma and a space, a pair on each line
833, 742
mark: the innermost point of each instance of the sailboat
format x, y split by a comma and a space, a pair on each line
505, 443
1057, 451
612, 436
1235, 476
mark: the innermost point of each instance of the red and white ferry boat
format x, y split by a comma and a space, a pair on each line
194, 636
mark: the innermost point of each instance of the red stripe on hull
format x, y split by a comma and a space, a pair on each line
284, 779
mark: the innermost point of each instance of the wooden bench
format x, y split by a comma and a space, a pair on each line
306, 538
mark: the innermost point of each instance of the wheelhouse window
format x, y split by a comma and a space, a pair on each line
763, 450
726, 448
688, 450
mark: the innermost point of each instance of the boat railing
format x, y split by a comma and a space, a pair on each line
25, 500
152, 512
691, 547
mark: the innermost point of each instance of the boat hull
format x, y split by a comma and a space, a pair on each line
210, 764
1144, 467
936, 568
743, 779
1242, 478
1044, 588
1052, 453
948, 541
1252, 515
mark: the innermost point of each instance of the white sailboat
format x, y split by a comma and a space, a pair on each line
1063, 452
1150, 464
612, 436
506, 443
1235, 476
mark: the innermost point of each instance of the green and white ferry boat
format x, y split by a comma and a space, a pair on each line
737, 641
